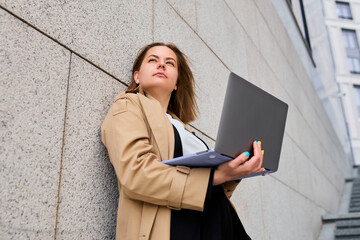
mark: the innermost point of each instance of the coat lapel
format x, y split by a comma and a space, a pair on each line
160, 126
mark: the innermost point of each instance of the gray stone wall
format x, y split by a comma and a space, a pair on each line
63, 62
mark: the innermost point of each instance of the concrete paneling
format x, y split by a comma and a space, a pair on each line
88, 190
330, 9
279, 212
259, 72
247, 37
221, 31
33, 76
306, 103
355, 9
320, 181
287, 166
295, 49
247, 200
209, 72
303, 98
339, 53
303, 175
108, 33
284, 208
269, 48
186, 9
246, 13
261, 75
307, 217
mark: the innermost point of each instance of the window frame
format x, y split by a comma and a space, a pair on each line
352, 52
340, 4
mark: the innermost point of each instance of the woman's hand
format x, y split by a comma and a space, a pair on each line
240, 166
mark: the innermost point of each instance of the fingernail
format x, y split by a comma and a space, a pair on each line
260, 143
262, 151
255, 142
247, 154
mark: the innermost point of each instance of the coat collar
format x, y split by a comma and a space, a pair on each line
160, 125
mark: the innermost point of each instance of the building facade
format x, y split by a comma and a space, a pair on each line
62, 64
343, 22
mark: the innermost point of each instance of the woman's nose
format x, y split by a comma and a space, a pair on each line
161, 65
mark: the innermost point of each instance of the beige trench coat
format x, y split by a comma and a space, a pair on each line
138, 136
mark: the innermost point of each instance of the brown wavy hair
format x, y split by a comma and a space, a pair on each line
183, 100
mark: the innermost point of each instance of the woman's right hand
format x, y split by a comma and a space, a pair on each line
240, 166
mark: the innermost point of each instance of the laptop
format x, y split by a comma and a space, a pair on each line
248, 114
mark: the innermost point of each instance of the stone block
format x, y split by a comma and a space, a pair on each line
292, 85
278, 28
187, 10
339, 53
107, 33
284, 29
247, 200
23, 233
324, 189
327, 231
316, 153
88, 193
246, 13
304, 175
287, 166
221, 31
278, 209
268, 47
316, 221
33, 76
258, 70
292, 45
209, 72
286, 208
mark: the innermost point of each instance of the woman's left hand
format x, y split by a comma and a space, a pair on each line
241, 166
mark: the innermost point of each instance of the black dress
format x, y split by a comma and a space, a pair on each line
218, 221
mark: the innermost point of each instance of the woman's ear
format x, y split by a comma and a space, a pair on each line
175, 88
136, 77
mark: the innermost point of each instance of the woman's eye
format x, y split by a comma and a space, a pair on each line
171, 63
152, 60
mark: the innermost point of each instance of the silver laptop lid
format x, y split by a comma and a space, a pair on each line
250, 113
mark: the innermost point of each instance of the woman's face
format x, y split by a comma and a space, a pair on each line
158, 72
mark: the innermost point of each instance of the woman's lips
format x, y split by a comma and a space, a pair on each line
160, 74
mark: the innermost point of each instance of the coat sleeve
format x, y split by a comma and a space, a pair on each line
229, 187
138, 168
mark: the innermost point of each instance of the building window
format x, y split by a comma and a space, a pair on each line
357, 98
343, 10
351, 45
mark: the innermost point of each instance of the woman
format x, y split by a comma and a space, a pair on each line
146, 125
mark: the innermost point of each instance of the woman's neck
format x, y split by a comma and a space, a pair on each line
163, 100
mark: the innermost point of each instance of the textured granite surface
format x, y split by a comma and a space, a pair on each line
246, 37
33, 76
88, 193
207, 68
107, 33
221, 31
187, 10
246, 13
